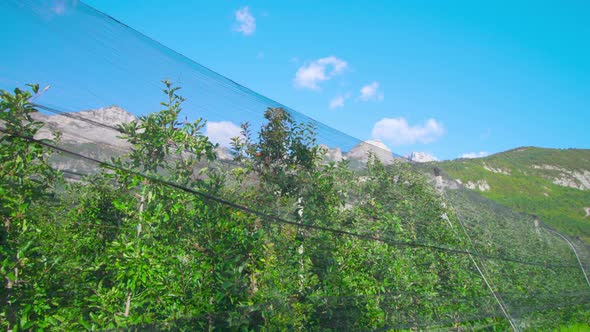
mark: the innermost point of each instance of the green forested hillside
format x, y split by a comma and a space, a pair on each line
552, 184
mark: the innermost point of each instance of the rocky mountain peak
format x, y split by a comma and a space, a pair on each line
331, 154
111, 115
90, 126
224, 153
361, 152
421, 157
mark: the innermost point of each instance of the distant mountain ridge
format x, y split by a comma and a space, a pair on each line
94, 131
90, 126
553, 184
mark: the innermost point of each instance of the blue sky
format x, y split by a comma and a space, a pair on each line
443, 77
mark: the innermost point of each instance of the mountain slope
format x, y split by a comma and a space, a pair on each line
552, 184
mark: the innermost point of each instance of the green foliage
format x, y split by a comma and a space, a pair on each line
122, 249
284, 150
156, 136
27, 179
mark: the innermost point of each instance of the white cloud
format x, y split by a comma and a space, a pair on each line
60, 7
309, 75
370, 92
471, 155
398, 132
221, 132
338, 101
246, 23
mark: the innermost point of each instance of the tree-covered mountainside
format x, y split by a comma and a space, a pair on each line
164, 236
552, 184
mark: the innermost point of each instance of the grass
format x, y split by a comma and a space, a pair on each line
575, 328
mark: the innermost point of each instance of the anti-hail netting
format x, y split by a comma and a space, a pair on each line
262, 241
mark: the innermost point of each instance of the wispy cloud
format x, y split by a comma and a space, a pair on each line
397, 131
221, 132
471, 155
245, 22
370, 92
53, 8
339, 101
60, 7
310, 75
486, 134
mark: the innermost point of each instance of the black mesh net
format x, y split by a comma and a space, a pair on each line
293, 225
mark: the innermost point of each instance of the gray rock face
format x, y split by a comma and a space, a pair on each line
421, 157
223, 153
361, 152
481, 185
332, 154
90, 133
91, 126
498, 170
111, 116
567, 178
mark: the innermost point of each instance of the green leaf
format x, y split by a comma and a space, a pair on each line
34, 87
